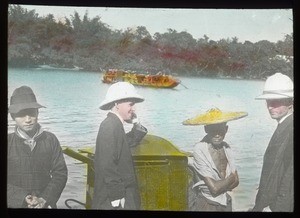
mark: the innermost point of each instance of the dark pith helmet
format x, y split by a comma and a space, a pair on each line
22, 98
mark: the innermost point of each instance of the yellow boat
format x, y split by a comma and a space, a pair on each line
162, 173
158, 81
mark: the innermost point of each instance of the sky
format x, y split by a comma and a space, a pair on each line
245, 24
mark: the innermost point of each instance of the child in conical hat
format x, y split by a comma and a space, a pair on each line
212, 163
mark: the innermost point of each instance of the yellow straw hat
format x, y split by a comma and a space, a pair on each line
214, 116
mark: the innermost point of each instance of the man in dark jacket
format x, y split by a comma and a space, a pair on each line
36, 171
115, 184
276, 187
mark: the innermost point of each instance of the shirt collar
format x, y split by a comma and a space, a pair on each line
283, 118
118, 115
30, 141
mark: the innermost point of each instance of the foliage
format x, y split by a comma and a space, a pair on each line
91, 44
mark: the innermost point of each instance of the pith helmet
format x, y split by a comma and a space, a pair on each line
214, 116
278, 86
119, 91
22, 98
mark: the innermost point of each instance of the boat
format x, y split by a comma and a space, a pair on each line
53, 67
158, 80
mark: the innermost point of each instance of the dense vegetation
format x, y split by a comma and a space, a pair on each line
91, 45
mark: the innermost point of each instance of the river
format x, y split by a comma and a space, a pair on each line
72, 113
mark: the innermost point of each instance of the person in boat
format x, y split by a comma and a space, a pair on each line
140, 78
115, 184
276, 186
212, 163
36, 168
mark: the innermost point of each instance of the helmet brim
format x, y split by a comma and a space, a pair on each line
107, 105
274, 96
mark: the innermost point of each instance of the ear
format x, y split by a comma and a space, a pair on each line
12, 116
205, 129
226, 129
291, 106
37, 112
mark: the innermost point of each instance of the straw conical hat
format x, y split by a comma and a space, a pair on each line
214, 116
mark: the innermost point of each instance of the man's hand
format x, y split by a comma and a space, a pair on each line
234, 175
35, 202
116, 203
267, 209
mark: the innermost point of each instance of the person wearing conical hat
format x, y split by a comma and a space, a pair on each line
276, 186
36, 168
212, 163
115, 184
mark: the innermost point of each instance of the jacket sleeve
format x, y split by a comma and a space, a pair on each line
15, 196
285, 196
108, 147
135, 136
59, 175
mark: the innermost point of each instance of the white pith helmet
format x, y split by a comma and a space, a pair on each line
278, 86
119, 91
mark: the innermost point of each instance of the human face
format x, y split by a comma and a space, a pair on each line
27, 119
216, 132
278, 108
126, 109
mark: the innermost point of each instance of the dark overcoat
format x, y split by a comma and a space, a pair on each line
115, 176
276, 187
41, 172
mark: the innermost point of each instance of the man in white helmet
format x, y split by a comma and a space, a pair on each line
115, 184
276, 187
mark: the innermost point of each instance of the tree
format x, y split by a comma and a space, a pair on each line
91, 44
142, 33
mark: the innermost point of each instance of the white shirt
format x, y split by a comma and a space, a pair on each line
118, 115
203, 163
283, 118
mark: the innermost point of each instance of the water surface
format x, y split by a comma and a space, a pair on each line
72, 113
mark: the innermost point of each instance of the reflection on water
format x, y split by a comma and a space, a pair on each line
72, 112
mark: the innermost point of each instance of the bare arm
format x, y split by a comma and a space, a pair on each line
235, 183
218, 187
